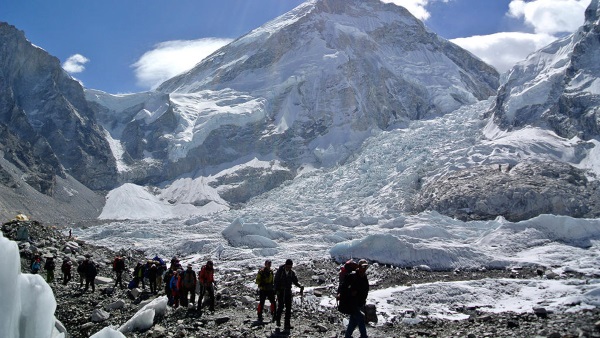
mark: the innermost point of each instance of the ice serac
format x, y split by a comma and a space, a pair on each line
558, 86
47, 125
305, 89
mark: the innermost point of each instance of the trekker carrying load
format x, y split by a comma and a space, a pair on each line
151, 274
36, 265
353, 295
175, 286
206, 276
118, 268
188, 286
284, 278
66, 270
49, 266
90, 270
167, 281
265, 280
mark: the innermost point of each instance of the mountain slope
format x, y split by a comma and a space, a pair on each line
52, 151
557, 87
540, 148
44, 107
304, 90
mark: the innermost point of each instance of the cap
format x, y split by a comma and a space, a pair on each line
289, 262
268, 261
189, 266
363, 262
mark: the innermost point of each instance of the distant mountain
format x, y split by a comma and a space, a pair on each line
304, 90
557, 87
540, 152
48, 131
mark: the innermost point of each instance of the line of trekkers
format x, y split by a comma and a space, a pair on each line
181, 285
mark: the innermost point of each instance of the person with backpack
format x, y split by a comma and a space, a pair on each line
161, 268
36, 265
265, 279
119, 268
284, 278
138, 276
81, 272
206, 276
90, 272
49, 266
175, 286
167, 281
188, 286
353, 293
152, 272
65, 268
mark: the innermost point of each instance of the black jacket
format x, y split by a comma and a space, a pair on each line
357, 287
284, 281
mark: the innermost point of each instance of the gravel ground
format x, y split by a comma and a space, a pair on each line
235, 313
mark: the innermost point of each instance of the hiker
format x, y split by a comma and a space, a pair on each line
264, 279
175, 286
206, 276
81, 272
49, 266
167, 281
66, 270
356, 287
90, 272
152, 272
118, 268
138, 275
161, 269
36, 265
188, 286
284, 278
175, 265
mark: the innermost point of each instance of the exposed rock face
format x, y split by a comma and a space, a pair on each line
557, 87
46, 119
521, 192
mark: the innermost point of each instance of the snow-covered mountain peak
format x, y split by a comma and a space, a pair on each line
304, 90
557, 87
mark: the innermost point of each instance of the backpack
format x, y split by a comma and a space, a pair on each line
173, 283
189, 279
345, 301
346, 269
35, 267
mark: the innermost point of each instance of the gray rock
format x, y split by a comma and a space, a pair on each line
119, 304
99, 315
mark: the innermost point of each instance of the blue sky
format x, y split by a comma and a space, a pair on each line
121, 46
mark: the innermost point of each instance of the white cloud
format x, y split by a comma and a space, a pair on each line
171, 58
75, 64
550, 16
503, 50
547, 18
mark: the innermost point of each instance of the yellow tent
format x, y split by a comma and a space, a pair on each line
21, 217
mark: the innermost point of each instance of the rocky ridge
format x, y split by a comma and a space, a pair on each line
83, 314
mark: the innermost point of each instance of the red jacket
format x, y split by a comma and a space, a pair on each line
206, 276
